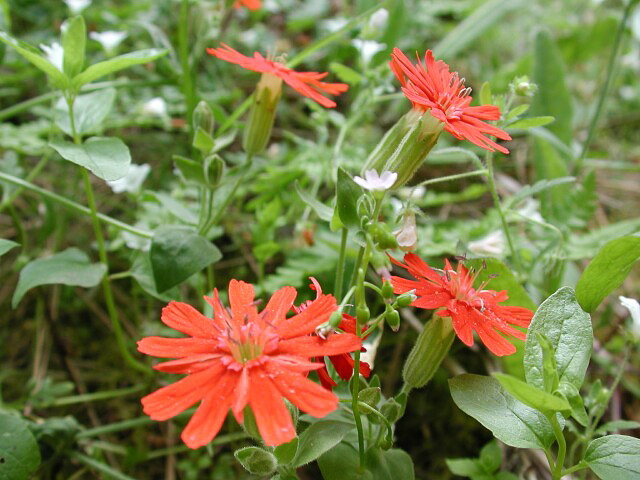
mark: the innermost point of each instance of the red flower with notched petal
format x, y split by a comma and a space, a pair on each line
307, 83
250, 4
470, 309
244, 357
433, 87
343, 362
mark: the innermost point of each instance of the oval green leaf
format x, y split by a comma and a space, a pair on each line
532, 396
19, 452
614, 457
319, 438
106, 157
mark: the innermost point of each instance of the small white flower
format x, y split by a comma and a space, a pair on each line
492, 244
407, 235
368, 48
55, 54
372, 181
531, 210
132, 181
76, 6
634, 310
109, 39
378, 20
156, 106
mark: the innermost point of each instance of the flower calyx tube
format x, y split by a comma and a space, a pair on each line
263, 113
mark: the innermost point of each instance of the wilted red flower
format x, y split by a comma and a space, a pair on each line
306, 83
343, 362
241, 357
250, 4
433, 87
470, 309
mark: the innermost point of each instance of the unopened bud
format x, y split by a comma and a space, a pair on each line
214, 169
263, 113
523, 87
393, 319
387, 290
407, 235
427, 354
335, 319
362, 315
203, 117
406, 299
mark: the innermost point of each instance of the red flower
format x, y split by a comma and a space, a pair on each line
470, 309
306, 83
250, 4
343, 362
241, 357
433, 87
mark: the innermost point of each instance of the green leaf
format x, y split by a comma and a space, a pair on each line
177, 253
89, 111
607, 271
370, 396
510, 421
614, 457
74, 41
19, 452
345, 74
539, 186
319, 438
392, 464
552, 97
569, 330
517, 111
31, 54
532, 396
286, 452
485, 94
616, 425
70, 267
465, 467
342, 463
203, 141
323, 211
484, 17
347, 195
531, 122
6, 245
114, 64
107, 157
571, 393
491, 457
256, 460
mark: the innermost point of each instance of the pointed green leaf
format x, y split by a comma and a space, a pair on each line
177, 253
256, 460
318, 438
569, 330
89, 111
19, 452
6, 245
70, 267
614, 457
616, 425
607, 271
106, 157
323, 211
34, 56
531, 122
342, 463
510, 421
115, 64
348, 193
491, 457
203, 141
532, 396
485, 94
74, 41
465, 467
285, 452
571, 393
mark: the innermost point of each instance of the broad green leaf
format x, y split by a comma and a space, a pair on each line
552, 97
572, 394
191, 170
392, 464
531, 122
465, 467
256, 460
70, 267
616, 425
74, 41
106, 157
6, 245
89, 110
141, 271
323, 211
510, 421
114, 64
342, 463
569, 330
347, 195
549, 165
485, 94
614, 457
607, 271
59, 79
318, 438
177, 253
286, 452
481, 19
19, 452
532, 396
491, 457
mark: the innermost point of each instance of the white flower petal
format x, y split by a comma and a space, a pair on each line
55, 54
633, 306
109, 39
76, 6
361, 181
132, 181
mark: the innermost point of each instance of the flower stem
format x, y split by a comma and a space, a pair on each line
562, 447
341, 261
498, 205
102, 251
607, 83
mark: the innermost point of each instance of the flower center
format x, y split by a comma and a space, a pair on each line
248, 342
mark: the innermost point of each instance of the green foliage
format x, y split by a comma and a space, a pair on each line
256, 460
6, 245
106, 157
614, 456
89, 111
347, 195
70, 267
100, 69
74, 40
532, 396
483, 468
319, 438
19, 453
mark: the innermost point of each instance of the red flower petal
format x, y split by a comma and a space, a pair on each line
272, 416
314, 346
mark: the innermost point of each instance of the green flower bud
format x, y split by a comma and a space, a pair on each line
263, 113
362, 315
203, 118
256, 460
427, 354
387, 290
214, 169
393, 319
385, 148
335, 319
391, 410
406, 299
